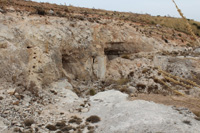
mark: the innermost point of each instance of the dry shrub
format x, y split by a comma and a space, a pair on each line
126, 56
40, 11
122, 81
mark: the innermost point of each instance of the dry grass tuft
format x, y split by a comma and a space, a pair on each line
122, 81
187, 23
93, 15
126, 56
179, 81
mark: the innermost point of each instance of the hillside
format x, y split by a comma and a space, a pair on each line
65, 11
69, 69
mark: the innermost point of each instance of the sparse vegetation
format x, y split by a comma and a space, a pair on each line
93, 119
126, 56
122, 81
176, 80
187, 122
197, 113
75, 119
92, 92
28, 122
167, 21
51, 127
70, 62
40, 11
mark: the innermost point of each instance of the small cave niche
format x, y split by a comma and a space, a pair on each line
114, 50
68, 64
75, 67
111, 54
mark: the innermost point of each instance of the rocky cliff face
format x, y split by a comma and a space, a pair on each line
44, 49
44, 58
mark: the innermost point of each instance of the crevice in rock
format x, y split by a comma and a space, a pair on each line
116, 49
68, 63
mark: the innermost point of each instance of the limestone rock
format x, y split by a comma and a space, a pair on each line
118, 115
41, 53
197, 51
62, 84
11, 91
56, 63
51, 12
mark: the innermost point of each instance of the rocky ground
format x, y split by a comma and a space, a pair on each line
68, 74
58, 109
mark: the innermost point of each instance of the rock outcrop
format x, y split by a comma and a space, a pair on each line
38, 49
118, 115
79, 72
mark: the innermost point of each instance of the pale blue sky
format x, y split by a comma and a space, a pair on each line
190, 8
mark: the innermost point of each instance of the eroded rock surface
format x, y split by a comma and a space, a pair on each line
39, 48
118, 114
60, 74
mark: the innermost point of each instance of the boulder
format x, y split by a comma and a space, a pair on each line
119, 115
197, 51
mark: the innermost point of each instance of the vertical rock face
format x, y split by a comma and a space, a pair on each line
78, 72
13, 64
100, 67
44, 68
38, 49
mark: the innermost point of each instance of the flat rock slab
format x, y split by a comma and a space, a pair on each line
118, 115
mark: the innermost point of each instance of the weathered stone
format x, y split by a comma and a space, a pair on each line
60, 62
41, 53
11, 91
51, 12
99, 67
84, 110
197, 51
120, 115
2, 11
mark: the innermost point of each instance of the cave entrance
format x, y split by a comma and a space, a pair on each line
114, 50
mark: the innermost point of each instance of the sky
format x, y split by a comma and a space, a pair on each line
190, 8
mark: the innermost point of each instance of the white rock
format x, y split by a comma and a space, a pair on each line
68, 102
11, 91
131, 89
84, 110
197, 51
71, 110
62, 84
57, 100
51, 12
120, 115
